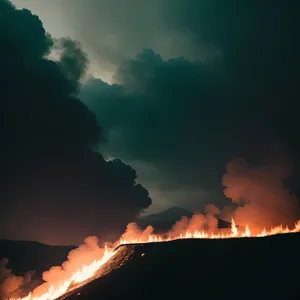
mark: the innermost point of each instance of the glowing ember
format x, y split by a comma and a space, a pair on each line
87, 272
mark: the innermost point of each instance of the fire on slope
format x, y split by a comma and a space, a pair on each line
234, 233
86, 272
261, 199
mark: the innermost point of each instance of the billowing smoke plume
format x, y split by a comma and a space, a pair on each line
54, 188
198, 222
133, 231
19, 286
206, 221
85, 254
12, 285
260, 194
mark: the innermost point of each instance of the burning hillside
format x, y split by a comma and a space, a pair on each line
262, 190
179, 269
243, 268
85, 263
192, 117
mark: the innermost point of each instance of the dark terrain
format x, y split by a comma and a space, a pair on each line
24, 256
256, 268
249, 268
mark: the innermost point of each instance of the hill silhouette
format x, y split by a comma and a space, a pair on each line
256, 268
24, 256
163, 221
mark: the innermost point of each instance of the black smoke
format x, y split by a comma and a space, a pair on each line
54, 187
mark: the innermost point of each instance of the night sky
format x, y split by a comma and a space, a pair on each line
112, 107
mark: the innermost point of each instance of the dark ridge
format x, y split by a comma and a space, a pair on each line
163, 221
24, 256
243, 268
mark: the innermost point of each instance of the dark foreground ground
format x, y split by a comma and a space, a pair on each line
262, 268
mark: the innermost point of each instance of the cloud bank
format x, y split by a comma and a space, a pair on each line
185, 119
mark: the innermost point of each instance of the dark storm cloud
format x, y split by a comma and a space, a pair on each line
53, 187
189, 118
258, 40
176, 115
113, 30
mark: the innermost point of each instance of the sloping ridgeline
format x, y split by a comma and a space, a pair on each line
243, 268
24, 256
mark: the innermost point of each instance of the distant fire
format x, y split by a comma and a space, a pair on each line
234, 233
133, 235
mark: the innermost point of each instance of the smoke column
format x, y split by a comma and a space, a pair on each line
260, 194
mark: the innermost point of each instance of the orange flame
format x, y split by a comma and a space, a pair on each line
87, 272
234, 233
83, 274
